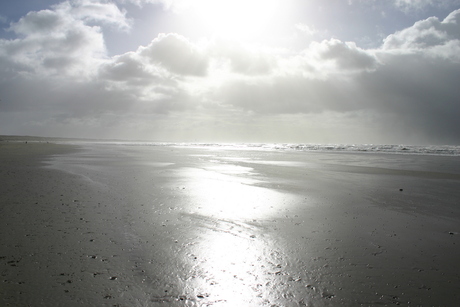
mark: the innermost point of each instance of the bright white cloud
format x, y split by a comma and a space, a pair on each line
306, 29
96, 11
242, 59
426, 33
174, 5
177, 54
64, 40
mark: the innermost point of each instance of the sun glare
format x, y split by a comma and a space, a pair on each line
235, 19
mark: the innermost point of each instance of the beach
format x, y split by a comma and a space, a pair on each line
94, 224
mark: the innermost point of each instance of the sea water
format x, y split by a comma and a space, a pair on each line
448, 150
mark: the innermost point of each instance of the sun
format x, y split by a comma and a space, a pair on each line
235, 19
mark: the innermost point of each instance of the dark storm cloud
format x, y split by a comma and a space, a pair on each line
422, 92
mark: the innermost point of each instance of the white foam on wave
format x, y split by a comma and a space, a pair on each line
448, 150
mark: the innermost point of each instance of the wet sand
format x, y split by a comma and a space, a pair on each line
113, 225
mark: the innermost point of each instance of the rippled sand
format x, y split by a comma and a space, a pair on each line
108, 225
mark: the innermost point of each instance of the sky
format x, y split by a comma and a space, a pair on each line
283, 71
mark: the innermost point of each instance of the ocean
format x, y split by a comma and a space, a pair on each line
447, 150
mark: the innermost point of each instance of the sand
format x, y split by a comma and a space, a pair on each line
114, 225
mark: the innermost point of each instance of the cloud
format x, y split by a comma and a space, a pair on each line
345, 55
410, 84
420, 91
95, 11
426, 33
242, 59
64, 40
286, 95
407, 89
38, 23
306, 29
175, 53
127, 68
141, 87
173, 5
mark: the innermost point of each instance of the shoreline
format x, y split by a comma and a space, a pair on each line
396, 149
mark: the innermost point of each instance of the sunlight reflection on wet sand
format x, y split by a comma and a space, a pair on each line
221, 192
235, 261
232, 268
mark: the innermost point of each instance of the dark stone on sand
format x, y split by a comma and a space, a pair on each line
327, 295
